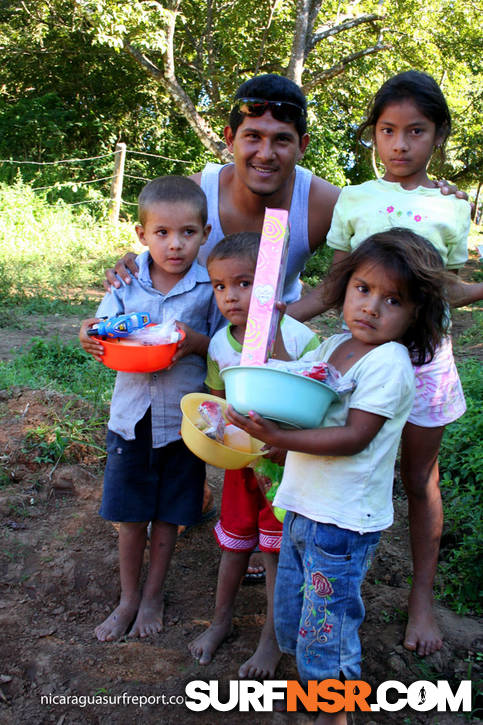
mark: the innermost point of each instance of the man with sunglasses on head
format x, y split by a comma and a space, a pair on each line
267, 135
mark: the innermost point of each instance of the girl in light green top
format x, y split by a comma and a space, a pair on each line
408, 120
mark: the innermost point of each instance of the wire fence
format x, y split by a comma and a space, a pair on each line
117, 161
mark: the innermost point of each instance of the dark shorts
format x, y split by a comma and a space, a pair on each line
142, 483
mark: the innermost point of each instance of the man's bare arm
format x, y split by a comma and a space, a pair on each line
462, 293
313, 303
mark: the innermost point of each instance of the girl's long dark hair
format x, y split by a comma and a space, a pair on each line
420, 272
423, 91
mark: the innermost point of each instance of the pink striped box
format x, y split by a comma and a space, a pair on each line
267, 288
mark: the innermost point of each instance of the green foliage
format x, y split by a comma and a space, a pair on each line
52, 443
461, 582
65, 96
61, 366
71, 87
49, 251
472, 335
318, 265
48, 445
5, 479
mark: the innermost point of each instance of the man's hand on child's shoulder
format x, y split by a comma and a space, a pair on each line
90, 345
194, 343
447, 189
121, 271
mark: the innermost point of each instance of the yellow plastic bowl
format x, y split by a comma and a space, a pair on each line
209, 450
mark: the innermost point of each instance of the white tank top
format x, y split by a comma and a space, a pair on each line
298, 250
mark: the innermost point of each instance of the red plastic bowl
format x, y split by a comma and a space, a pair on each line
138, 358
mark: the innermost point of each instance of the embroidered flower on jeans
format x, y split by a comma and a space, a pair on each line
302, 632
327, 627
321, 584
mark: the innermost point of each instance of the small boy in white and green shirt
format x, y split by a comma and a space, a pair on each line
224, 351
246, 517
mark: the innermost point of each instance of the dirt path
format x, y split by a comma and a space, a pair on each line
28, 326
60, 578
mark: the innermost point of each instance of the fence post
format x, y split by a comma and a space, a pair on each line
477, 216
116, 186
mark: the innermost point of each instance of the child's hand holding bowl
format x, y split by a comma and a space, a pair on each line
256, 426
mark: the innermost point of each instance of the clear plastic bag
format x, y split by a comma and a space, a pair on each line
317, 370
162, 334
213, 420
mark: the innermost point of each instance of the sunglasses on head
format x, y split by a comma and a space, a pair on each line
284, 111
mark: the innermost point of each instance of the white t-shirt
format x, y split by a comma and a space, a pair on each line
355, 492
224, 351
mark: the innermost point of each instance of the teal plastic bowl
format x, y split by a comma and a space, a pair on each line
287, 398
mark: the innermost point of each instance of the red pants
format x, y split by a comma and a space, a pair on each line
246, 516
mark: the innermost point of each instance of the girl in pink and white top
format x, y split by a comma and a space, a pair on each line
409, 119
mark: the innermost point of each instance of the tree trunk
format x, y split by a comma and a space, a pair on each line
302, 28
183, 103
477, 217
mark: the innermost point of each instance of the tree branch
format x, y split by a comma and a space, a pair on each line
167, 79
297, 55
215, 91
340, 67
327, 32
264, 39
184, 104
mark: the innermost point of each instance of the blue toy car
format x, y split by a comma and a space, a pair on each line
120, 325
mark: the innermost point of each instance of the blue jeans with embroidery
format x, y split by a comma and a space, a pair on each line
318, 604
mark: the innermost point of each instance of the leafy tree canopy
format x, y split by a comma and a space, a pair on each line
78, 76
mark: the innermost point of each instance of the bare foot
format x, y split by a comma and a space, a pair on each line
263, 662
256, 568
422, 632
149, 618
205, 645
118, 621
255, 563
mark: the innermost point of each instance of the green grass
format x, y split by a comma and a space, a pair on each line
52, 254
318, 265
460, 573
472, 335
54, 442
60, 366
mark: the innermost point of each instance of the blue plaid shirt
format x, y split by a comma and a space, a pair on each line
191, 301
